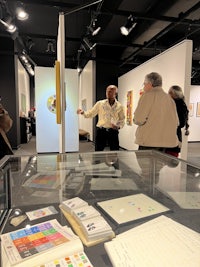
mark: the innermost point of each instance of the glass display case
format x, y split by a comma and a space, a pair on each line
4, 192
32, 182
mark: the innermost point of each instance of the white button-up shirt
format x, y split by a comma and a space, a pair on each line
107, 114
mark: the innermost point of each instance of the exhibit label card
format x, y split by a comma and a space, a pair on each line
39, 213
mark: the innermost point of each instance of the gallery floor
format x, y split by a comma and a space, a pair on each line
84, 146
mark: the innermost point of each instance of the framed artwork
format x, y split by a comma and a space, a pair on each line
191, 109
23, 103
84, 104
198, 109
129, 108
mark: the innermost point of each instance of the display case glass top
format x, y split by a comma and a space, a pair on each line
40, 181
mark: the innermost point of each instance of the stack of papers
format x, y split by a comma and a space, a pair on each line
86, 220
96, 228
73, 203
159, 242
85, 213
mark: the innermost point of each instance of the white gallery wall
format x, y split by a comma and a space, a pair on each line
23, 90
47, 137
86, 95
174, 65
194, 117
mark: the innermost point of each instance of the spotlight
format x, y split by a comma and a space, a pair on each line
9, 26
50, 47
131, 23
30, 43
88, 43
21, 14
94, 31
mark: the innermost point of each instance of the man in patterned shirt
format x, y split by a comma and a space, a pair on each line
111, 118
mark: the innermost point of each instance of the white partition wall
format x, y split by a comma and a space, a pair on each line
23, 90
86, 95
47, 137
175, 67
194, 115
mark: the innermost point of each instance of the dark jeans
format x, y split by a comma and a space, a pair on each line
106, 137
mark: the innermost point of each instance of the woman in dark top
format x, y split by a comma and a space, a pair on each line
177, 94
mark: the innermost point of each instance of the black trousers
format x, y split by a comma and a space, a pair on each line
107, 137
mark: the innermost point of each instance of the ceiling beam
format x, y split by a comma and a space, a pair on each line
162, 33
143, 16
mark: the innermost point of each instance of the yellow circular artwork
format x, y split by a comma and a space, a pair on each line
51, 104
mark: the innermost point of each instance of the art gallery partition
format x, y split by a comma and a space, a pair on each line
87, 95
47, 138
194, 114
23, 90
174, 65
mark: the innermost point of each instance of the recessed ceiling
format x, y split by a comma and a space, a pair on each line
159, 25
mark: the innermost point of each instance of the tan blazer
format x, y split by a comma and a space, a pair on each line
157, 119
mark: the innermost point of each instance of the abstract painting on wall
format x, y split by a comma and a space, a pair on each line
191, 109
129, 108
84, 104
198, 109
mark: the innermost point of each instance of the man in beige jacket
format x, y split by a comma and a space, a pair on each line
155, 116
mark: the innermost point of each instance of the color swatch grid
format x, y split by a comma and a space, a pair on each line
76, 260
36, 239
43, 181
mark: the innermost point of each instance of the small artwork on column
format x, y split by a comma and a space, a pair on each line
198, 109
129, 108
84, 104
191, 109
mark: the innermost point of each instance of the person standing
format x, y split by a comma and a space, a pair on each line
5, 125
111, 118
155, 116
176, 93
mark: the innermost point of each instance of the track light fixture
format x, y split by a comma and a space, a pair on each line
29, 43
130, 24
21, 13
9, 26
25, 60
50, 47
88, 43
94, 30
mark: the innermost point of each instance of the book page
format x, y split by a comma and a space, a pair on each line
163, 243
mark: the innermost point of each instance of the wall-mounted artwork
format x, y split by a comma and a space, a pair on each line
191, 109
198, 109
84, 104
23, 103
129, 108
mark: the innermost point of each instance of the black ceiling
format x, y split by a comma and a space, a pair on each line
160, 25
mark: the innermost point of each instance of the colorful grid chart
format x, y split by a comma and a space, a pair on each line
36, 239
45, 181
28, 242
76, 260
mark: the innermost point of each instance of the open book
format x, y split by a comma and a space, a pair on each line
158, 242
38, 244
